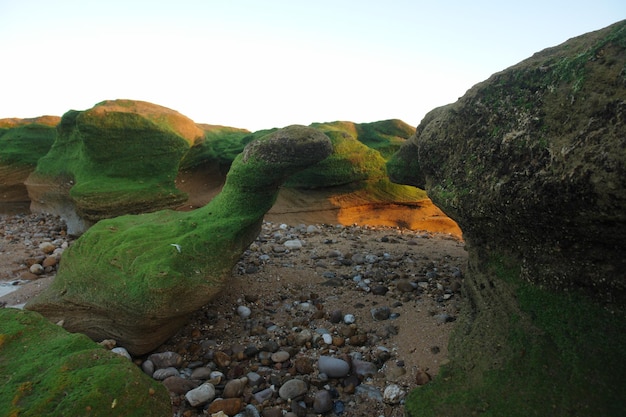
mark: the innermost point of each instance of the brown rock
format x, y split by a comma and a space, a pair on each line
229, 406
221, 359
49, 261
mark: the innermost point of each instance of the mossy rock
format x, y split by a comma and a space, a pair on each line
531, 163
46, 371
22, 143
119, 157
137, 278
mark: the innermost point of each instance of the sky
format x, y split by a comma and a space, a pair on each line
264, 64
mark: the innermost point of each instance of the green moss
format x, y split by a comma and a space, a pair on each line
24, 145
45, 370
220, 145
562, 355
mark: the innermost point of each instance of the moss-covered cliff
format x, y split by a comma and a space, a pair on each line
532, 165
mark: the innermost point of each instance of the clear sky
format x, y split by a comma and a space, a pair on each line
262, 64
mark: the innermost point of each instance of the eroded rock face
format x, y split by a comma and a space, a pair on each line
531, 164
119, 157
533, 160
136, 279
22, 143
47, 371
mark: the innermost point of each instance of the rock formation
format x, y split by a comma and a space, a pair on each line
22, 143
47, 371
119, 157
532, 165
137, 278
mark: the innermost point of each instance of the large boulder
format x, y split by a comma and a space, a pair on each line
119, 157
137, 278
46, 371
531, 164
22, 143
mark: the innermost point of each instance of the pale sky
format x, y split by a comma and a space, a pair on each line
263, 64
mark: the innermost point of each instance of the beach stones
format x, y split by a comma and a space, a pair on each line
333, 367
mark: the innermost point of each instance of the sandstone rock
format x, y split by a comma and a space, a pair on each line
531, 164
130, 149
45, 368
132, 294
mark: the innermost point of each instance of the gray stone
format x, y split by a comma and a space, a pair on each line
380, 313
393, 394
161, 374
201, 395
333, 367
364, 369
166, 359
293, 388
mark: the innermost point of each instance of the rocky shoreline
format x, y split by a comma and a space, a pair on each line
318, 319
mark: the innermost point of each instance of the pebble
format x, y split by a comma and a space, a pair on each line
280, 356
244, 312
161, 374
323, 402
293, 244
333, 367
381, 313
201, 395
293, 388
349, 319
165, 359
234, 387
122, 352
393, 394
364, 369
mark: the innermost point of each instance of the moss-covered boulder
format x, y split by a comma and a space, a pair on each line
46, 371
22, 143
119, 157
136, 278
532, 165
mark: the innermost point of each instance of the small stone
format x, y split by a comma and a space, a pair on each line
201, 373
148, 367
333, 367
405, 286
244, 312
393, 394
369, 391
303, 337
363, 369
221, 359
381, 313
234, 388
50, 261
228, 406
323, 402
293, 388
122, 352
249, 411
36, 269
201, 395
47, 247
349, 319
166, 359
304, 365
422, 377
161, 374
264, 395
294, 244
335, 316
328, 338
280, 356
379, 290
254, 379
178, 385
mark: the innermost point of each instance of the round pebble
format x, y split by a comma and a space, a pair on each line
333, 367
293, 388
323, 402
200, 395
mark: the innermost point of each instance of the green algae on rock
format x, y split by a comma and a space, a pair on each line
136, 278
119, 157
532, 165
22, 143
46, 371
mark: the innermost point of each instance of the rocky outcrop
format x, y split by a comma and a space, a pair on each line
125, 278
119, 157
47, 371
22, 143
532, 165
